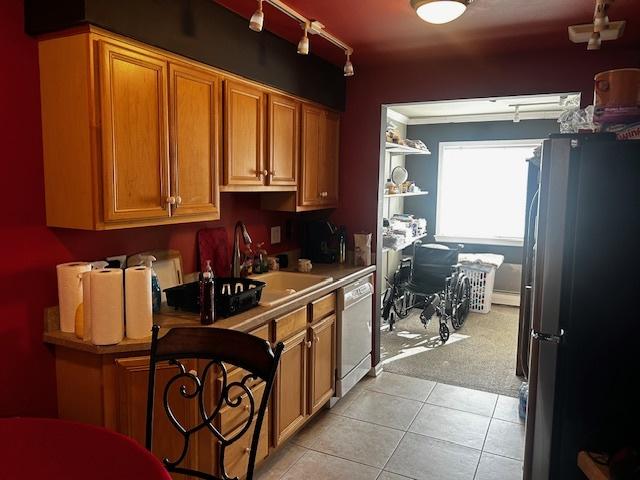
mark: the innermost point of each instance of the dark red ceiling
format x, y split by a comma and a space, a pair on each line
389, 30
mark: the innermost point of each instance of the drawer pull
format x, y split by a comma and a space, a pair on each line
309, 344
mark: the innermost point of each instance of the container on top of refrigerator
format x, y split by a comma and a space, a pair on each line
616, 96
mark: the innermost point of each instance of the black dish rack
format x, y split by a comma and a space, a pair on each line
187, 296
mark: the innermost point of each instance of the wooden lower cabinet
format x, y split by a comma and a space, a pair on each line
110, 390
290, 389
322, 366
306, 378
132, 375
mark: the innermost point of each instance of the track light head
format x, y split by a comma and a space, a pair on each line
257, 19
348, 67
303, 44
594, 41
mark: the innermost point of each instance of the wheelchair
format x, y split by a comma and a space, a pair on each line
434, 282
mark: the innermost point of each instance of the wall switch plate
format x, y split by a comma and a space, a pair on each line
275, 235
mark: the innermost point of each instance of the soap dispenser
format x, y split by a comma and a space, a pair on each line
207, 295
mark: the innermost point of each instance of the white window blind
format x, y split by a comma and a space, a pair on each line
482, 191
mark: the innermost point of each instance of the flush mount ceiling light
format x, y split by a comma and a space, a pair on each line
257, 19
439, 11
312, 27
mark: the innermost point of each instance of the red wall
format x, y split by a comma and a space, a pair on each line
539, 72
31, 250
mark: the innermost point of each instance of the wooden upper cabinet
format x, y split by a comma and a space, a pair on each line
194, 120
322, 365
328, 168
284, 134
312, 128
320, 144
133, 99
243, 135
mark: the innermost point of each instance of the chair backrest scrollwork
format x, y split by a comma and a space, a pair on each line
221, 347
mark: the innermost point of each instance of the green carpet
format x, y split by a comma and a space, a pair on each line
481, 355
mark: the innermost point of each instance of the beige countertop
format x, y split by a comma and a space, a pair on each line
246, 321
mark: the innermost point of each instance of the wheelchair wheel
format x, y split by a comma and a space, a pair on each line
462, 302
400, 306
444, 332
392, 321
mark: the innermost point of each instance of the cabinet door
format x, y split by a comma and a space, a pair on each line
194, 123
312, 120
290, 389
133, 99
244, 134
328, 167
132, 375
322, 365
284, 133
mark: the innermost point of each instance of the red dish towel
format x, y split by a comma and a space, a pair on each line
212, 245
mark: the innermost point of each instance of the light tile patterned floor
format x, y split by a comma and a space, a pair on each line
397, 428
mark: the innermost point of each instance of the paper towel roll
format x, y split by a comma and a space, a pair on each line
70, 292
107, 306
83, 324
138, 305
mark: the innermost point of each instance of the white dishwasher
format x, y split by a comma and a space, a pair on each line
355, 311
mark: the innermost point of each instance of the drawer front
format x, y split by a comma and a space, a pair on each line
323, 307
232, 417
290, 324
261, 332
237, 454
236, 375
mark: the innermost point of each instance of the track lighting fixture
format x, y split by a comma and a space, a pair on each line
600, 17
313, 27
594, 41
348, 66
303, 44
439, 11
257, 19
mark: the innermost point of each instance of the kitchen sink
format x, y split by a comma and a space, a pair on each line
284, 286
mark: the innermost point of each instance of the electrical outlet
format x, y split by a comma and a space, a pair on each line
275, 235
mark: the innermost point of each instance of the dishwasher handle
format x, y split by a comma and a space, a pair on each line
351, 296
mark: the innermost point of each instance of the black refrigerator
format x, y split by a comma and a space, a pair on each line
584, 348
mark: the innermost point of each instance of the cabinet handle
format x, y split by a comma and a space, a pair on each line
178, 200
316, 338
247, 408
309, 344
171, 200
247, 450
265, 172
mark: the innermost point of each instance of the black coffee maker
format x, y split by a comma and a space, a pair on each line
322, 241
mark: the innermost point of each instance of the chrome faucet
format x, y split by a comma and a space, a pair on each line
236, 260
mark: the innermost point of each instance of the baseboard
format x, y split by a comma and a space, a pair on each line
505, 298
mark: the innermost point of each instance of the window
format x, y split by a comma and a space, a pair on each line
482, 191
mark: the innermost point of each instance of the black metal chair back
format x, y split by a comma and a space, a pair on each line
221, 347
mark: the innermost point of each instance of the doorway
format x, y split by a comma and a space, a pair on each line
459, 174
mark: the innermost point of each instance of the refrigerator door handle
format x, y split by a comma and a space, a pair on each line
547, 337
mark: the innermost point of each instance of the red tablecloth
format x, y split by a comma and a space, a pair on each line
49, 449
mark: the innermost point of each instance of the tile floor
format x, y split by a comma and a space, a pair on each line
396, 428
